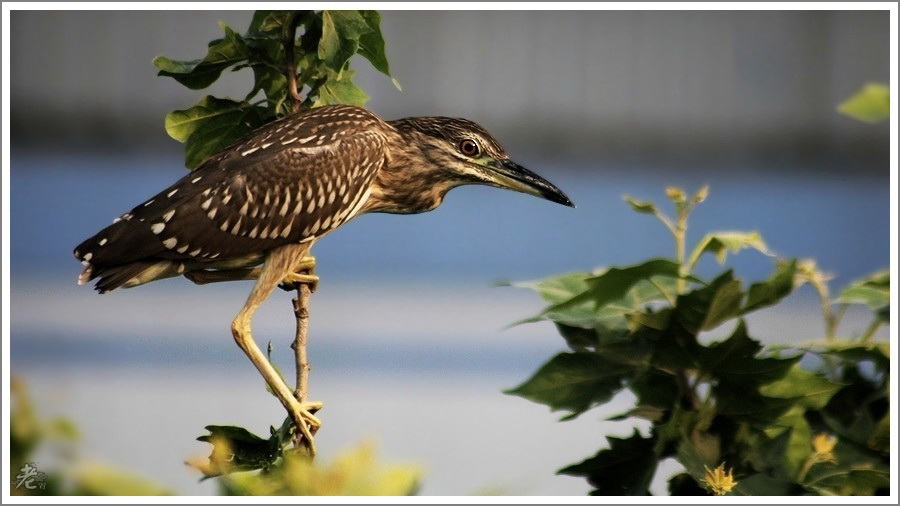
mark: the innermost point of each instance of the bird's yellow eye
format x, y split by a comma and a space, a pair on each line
468, 147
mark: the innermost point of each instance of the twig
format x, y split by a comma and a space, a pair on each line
832, 319
290, 67
867, 336
680, 231
301, 392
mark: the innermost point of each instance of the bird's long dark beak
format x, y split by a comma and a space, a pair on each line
515, 177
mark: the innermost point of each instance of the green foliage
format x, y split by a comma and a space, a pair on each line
55, 439
874, 291
247, 464
574, 382
741, 418
625, 468
354, 473
315, 63
871, 104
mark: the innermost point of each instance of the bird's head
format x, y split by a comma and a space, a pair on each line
465, 153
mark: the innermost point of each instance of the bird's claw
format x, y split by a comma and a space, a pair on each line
303, 274
291, 281
307, 423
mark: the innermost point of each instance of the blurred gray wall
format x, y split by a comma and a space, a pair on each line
688, 86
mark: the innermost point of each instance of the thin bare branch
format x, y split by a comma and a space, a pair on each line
301, 360
290, 67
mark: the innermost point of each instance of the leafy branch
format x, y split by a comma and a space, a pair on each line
739, 417
290, 71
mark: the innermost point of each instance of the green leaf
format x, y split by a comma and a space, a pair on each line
708, 307
871, 104
685, 484
341, 31
735, 361
215, 134
771, 291
199, 74
272, 82
721, 243
874, 291
341, 91
763, 484
237, 449
651, 413
747, 406
811, 390
578, 338
858, 481
793, 425
610, 321
738, 374
625, 468
694, 460
181, 124
614, 283
371, 45
557, 290
656, 389
641, 206
659, 320
574, 382
768, 452
270, 24
881, 437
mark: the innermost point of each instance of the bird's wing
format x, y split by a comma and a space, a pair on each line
290, 181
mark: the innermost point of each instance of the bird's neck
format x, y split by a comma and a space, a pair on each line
409, 182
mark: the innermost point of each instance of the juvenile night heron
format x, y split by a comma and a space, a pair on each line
265, 199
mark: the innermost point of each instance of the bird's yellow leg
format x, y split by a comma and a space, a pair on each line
301, 413
278, 265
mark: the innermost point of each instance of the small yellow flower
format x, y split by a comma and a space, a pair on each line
719, 481
823, 447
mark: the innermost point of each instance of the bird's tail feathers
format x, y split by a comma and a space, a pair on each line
112, 277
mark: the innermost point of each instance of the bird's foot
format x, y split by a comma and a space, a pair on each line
306, 422
302, 275
291, 281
